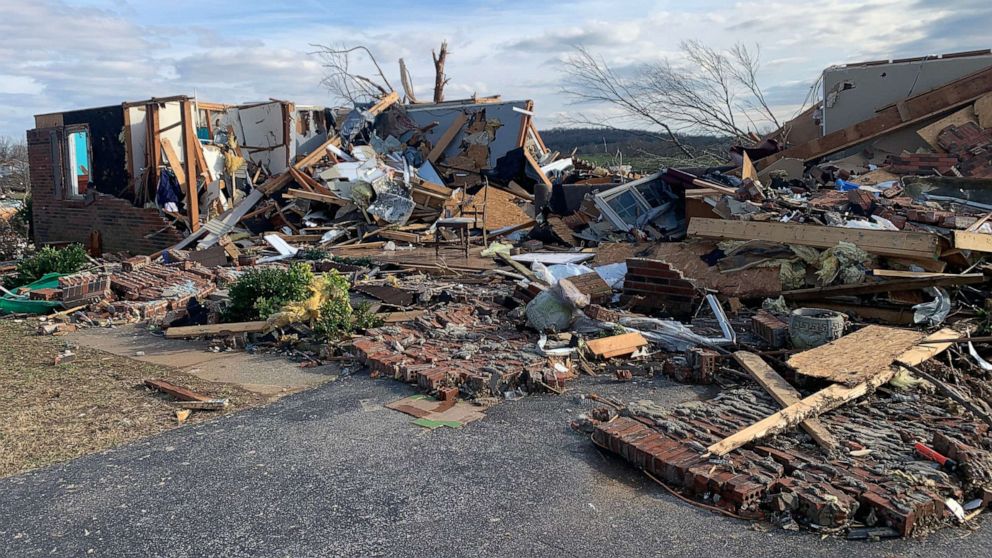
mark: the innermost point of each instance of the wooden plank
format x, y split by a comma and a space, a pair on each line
178, 392
317, 154
304, 181
856, 357
979, 242
397, 317
537, 169
216, 329
894, 285
909, 274
616, 345
889, 119
384, 103
192, 194
315, 196
175, 163
447, 137
747, 168
825, 400
884, 243
785, 394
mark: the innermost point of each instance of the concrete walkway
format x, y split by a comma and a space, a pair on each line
265, 374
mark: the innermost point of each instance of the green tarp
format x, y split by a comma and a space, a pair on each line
12, 304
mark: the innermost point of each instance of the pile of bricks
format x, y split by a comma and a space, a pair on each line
486, 360
593, 285
789, 475
770, 329
152, 282
655, 285
972, 146
82, 287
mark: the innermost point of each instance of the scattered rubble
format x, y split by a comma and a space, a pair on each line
825, 283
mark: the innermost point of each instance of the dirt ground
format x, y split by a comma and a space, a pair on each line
51, 413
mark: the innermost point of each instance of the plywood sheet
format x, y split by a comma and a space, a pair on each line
854, 358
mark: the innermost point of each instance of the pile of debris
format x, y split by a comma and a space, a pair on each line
827, 282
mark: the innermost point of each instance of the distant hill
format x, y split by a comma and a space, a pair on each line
642, 150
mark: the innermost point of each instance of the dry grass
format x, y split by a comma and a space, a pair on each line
52, 413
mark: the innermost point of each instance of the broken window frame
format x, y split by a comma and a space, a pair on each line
71, 191
603, 199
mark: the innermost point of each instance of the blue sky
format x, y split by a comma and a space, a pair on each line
58, 55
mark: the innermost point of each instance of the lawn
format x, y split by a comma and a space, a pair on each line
52, 413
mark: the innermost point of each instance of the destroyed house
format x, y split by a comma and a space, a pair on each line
95, 173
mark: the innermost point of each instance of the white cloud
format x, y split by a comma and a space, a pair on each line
57, 55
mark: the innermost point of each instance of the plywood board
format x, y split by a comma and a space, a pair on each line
854, 358
883, 243
979, 242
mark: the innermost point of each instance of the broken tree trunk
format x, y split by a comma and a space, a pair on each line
825, 400
785, 394
439, 80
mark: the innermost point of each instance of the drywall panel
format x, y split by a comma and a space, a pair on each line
170, 125
260, 131
505, 138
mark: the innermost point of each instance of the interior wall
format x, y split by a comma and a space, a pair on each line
108, 171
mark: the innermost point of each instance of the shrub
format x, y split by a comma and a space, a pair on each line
49, 260
337, 317
261, 292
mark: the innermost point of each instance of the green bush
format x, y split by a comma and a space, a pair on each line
261, 292
48, 260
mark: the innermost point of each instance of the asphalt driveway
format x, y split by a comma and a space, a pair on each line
330, 472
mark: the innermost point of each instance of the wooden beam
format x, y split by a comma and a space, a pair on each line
317, 154
537, 168
785, 394
884, 243
175, 163
893, 117
979, 242
384, 103
193, 193
826, 399
396, 317
447, 137
895, 285
216, 329
315, 196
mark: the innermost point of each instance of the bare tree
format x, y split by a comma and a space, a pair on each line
343, 81
14, 169
710, 91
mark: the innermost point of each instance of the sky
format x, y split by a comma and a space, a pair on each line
61, 55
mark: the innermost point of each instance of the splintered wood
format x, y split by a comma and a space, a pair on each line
829, 398
854, 358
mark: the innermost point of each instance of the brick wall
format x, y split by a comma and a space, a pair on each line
122, 226
655, 285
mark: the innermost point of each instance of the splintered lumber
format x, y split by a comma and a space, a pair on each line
826, 399
447, 137
894, 117
896, 285
617, 345
909, 274
211, 405
315, 196
783, 392
854, 358
979, 242
216, 329
883, 243
178, 392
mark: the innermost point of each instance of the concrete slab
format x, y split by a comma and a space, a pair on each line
265, 374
